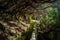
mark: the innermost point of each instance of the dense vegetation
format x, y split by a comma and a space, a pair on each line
29, 20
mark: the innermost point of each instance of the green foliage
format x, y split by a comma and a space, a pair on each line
30, 27
49, 19
10, 9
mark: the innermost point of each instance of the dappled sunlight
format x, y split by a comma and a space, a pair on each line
30, 20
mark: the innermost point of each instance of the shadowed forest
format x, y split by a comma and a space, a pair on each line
29, 19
